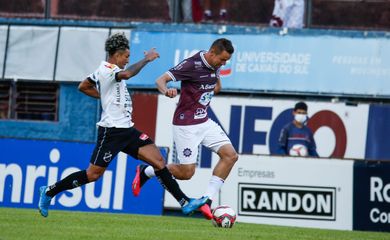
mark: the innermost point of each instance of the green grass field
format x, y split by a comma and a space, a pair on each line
28, 224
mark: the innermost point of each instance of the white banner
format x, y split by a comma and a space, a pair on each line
31, 52
289, 191
3, 39
80, 52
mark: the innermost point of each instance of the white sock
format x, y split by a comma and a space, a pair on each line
149, 171
215, 184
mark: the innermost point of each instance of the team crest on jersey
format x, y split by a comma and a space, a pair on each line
111, 66
143, 137
187, 152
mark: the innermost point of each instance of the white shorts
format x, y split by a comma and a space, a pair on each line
187, 139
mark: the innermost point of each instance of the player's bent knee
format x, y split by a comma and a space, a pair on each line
93, 177
186, 176
158, 164
232, 158
235, 157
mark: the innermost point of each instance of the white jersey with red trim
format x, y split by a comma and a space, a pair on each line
115, 99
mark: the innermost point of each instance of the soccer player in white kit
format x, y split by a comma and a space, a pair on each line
199, 76
116, 131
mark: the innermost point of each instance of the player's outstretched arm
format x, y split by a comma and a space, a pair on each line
161, 83
89, 88
134, 69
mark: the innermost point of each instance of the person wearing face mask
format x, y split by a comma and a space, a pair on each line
297, 133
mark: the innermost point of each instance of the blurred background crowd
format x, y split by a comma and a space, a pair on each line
335, 14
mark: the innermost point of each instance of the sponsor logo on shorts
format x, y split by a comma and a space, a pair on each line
143, 137
200, 113
187, 152
107, 156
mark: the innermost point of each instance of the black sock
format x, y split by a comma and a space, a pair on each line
74, 180
143, 176
169, 183
209, 202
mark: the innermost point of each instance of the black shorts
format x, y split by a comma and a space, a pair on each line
113, 140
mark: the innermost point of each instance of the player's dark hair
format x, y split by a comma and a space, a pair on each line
301, 106
116, 42
222, 44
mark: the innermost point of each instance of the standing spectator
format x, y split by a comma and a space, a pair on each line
207, 14
288, 13
296, 133
181, 10
186, 10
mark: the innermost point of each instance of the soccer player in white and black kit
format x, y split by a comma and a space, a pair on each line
116, 130
199, 76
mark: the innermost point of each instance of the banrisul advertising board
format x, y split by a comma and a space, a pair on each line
371, 196
284, 201
25, 165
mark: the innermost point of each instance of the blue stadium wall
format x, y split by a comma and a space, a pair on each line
77, 116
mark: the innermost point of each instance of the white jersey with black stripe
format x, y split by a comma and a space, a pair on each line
115, 99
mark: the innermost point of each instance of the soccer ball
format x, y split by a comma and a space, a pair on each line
224, 216
298, 150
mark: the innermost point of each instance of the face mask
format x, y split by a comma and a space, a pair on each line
301, 118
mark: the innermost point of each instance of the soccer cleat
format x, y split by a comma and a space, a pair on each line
44, 201
206, 211
136, 185
193, 204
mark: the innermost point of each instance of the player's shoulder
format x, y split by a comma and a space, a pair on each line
192, 60
107, 70
108, 67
